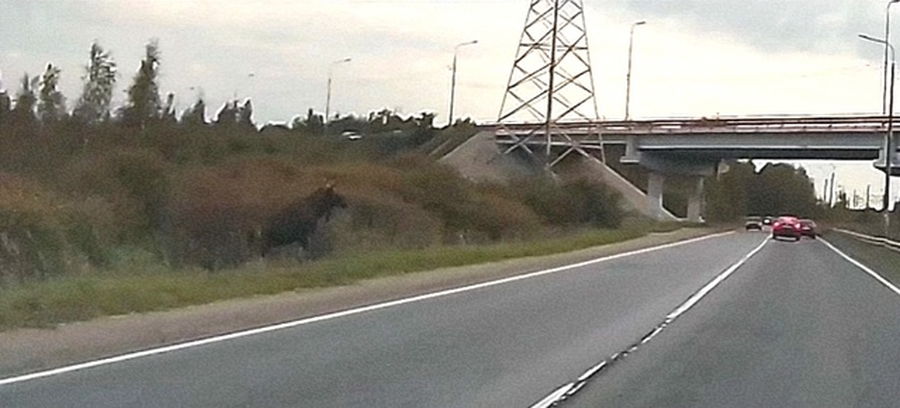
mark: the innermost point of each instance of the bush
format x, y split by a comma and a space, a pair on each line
134, 184
572, 203
33, 241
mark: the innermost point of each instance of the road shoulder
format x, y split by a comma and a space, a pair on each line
29, 350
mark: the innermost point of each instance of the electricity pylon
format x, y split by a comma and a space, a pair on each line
551, 79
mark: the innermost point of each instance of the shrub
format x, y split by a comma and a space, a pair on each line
571, 203
32, 237
134, 183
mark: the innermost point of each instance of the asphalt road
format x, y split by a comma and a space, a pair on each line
796, 326
510, 344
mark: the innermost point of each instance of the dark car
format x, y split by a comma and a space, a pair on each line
786, 227
753, 224
808, 228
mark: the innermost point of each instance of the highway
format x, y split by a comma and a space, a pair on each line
796, 325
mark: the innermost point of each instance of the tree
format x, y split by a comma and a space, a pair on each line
227, 116
51, 106
245, 115
195, 115
5, 106
168, 112
313, 124
143, 104
99, 81
781, 188
726, 194
23, 112
777, 189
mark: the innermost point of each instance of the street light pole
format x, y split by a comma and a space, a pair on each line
453, 77
328, 94
628, 75
887, 39
890, 129
888, 145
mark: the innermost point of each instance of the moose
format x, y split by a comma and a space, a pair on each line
298, 221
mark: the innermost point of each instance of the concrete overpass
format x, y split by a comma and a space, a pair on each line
695, 147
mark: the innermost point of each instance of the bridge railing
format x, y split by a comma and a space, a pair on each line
777, 124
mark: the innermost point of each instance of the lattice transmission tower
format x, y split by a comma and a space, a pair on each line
551, 79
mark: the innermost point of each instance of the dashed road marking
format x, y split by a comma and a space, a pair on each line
568, 390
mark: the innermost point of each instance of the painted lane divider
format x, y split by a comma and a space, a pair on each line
570, 389
330, 316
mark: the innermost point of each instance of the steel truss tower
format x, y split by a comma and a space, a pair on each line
551, 79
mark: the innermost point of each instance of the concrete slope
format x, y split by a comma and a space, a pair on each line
634, 198
479, 159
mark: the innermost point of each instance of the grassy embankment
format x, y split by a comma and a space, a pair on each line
149, 287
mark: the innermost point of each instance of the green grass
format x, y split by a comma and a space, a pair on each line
147, 287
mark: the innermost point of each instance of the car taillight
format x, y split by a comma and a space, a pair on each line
776, 224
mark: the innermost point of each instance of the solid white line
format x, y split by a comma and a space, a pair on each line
712, 284
554, 396
865, 269
287, 325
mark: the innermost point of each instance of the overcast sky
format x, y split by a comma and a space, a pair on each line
693, 57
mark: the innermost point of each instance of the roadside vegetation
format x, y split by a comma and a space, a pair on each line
146, 286
110, 210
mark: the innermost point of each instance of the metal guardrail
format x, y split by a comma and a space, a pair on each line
882, 241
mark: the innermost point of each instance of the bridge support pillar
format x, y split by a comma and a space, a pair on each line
632, 155
655, 184
695, 201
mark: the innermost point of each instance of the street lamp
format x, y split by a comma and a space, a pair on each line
453, 79
628, 75
887, 38
328, 94
890, 126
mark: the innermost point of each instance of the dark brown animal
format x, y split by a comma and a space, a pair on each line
297, 222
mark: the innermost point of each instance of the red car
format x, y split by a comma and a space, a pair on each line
787, 226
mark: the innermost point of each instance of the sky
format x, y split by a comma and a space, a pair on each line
692, 58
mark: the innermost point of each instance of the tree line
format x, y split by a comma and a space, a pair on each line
38, 102
776, 189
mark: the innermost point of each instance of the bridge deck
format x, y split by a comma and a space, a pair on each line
777, 124
858, 137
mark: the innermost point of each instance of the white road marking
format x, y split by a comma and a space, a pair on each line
554, 396
712, 284
865, 269
330, 316
574, 387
